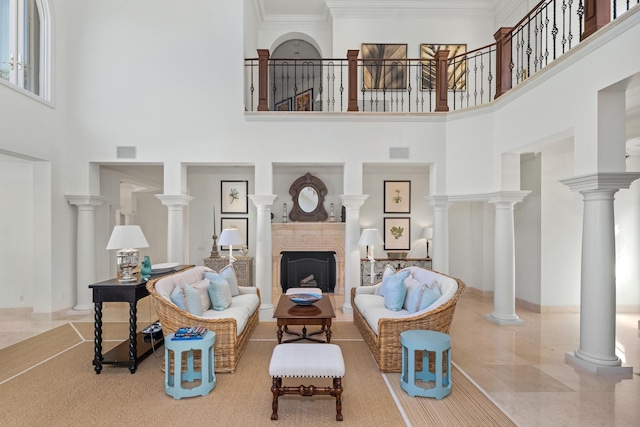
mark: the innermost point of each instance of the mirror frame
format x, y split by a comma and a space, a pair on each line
319, 213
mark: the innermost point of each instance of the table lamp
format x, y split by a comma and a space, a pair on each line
427, 233
230, 237
127, 239
370, 237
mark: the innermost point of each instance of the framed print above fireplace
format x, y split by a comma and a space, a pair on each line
397, 197
397, 234
233, 197
241, 224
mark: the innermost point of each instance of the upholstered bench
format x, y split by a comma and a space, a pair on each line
306, 361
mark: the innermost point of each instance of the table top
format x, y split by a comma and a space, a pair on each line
287, 309
139, 283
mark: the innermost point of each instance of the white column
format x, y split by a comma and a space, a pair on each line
175, 231
504, 291
352, 205
597, 352
263, 204
440, 243
86, 248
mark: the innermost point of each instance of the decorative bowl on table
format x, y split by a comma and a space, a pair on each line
304, 299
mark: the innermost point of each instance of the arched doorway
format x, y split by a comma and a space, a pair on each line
295, 73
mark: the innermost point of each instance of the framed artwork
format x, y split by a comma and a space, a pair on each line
233, 197
397, 234
397, 197
304, 100
390, 74
284, 105
456, 73
242, 224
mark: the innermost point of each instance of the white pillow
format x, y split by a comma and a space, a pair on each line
203, 287
187, 298
415, 290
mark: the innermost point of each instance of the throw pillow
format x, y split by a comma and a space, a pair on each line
187, 298
414, 294
402, 274
229, 273
395, 292
203, 287
220, 293
429, 296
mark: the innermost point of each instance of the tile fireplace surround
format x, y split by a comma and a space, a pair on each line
307, 236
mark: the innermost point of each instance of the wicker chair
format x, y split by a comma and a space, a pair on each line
385, 346
228, 346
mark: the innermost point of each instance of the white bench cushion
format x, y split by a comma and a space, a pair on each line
307, 360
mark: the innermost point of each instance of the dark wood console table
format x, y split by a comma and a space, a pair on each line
125, 354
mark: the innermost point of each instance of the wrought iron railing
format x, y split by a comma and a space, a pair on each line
446, 83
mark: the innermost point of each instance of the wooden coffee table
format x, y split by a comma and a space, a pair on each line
319, 313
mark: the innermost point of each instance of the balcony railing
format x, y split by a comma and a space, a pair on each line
421, 85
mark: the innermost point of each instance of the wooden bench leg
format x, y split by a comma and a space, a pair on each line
337, 387
275, 389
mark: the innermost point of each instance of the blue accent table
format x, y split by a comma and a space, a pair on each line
427, 342
184, 348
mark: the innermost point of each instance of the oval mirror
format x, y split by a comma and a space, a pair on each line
308, 199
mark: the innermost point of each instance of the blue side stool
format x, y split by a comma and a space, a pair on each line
173, 384
427, 342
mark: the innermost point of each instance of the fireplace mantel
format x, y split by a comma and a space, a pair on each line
307, 236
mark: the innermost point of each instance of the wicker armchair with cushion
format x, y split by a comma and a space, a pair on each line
233, 322
425, 300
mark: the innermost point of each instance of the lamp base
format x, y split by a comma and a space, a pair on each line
127, 260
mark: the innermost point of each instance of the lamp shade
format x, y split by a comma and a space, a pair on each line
127, 236
370, 237
427, 233
230, 237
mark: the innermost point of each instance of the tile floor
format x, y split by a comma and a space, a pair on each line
521, 368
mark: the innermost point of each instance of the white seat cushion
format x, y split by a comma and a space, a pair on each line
307, 360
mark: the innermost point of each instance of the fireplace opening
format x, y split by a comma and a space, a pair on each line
310, 269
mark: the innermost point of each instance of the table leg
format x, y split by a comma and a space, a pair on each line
279, 334
97, 337
328, 333
133, 339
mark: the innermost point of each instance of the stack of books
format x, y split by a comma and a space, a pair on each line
191, 333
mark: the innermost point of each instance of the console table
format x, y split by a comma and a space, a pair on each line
243, 267
365, 267
125, 354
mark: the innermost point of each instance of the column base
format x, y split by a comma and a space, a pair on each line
266, 312
504, 321
572, 358
346, 308
82, 307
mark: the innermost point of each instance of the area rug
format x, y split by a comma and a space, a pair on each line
49, 381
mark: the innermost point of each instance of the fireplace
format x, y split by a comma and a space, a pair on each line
312, 269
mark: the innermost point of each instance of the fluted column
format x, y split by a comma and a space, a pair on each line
504, 291
263, 204
86, 248
440, 244
175, 225
352, 205
597, 351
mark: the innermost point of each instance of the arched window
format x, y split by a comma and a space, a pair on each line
24, 45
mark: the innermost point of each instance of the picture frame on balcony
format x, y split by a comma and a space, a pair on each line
284, 105
397, 234
233, 197
397, 197
304, 100
384, 66
456, 72
242, 224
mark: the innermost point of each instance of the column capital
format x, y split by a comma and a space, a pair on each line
602, 181
263, 200
174, 199
85, 200
353, 201
510, 197
433, 201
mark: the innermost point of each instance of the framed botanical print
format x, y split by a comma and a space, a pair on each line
456, 71
233, 197
242, 224
385, 66
397, 197
397, 234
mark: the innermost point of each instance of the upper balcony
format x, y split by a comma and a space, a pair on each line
383, 79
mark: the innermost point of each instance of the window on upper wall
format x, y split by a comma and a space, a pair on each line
23, 45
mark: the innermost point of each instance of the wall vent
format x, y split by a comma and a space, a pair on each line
126, 153
399, 152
